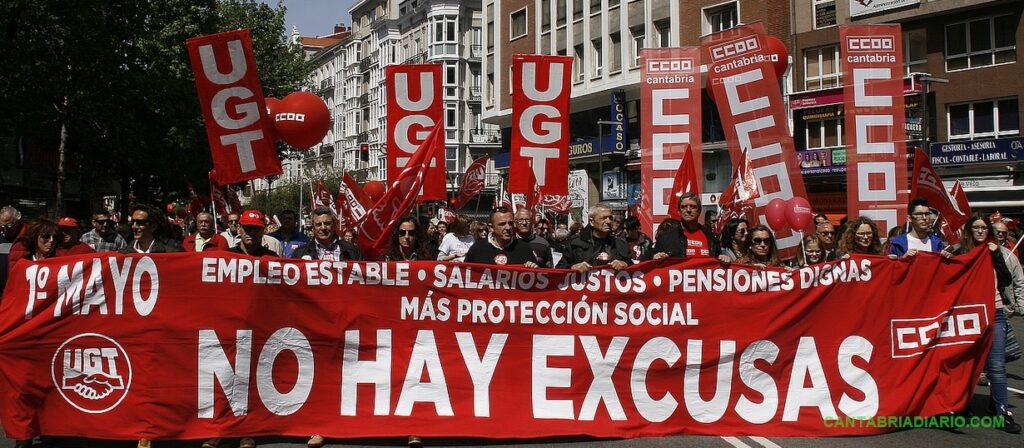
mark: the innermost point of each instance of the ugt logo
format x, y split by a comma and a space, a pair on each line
92, 372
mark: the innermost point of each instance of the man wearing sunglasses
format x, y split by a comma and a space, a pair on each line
102, 237
827, 234
920, 238
325, 244
149, 232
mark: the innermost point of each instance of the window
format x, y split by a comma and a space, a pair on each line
490, 29
445, 38
821, 68
577, 10
518, 25
824, 133
578, 61
451, 115
615, 54
664, 31
915, 51
638, 44
721, 17
490, 90
824, 13
595, 6
980, 43
560, 13
984, 119
596, 58
451, 80
451, 158
545, 14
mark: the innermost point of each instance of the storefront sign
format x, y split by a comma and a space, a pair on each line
613, 185
999, 150
822, 161
864, 7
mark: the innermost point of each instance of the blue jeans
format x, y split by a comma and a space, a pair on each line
995, 365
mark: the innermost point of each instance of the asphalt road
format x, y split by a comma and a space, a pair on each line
916, 438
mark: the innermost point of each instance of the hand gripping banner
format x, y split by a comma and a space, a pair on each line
191, 346
746, 92
876, 156
540, 123
241, 133
670, 96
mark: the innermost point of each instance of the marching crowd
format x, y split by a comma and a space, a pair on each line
519, 238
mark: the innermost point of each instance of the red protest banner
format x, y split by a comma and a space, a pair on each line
415, 106
741, 75
368, 349
540, 123
670, 96
876, 156
240, 131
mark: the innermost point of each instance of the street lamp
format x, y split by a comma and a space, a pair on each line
600, 156
926, 81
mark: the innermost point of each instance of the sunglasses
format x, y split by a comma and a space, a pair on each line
232, 221
406, 233
757, 241
101, 221
140, 222
48, 236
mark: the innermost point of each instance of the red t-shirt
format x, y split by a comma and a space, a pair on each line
697, 243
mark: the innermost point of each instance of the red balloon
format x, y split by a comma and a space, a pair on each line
798, 213
181, 212
272, 105
374, 189
775, 214
777, 53
302, 120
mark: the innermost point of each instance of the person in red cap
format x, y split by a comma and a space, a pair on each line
71, 236
251, 227
204, 239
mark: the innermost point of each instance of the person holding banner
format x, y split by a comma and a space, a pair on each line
596, 245
735, 239
812, 253
693, 240
501, 247
920, 238
251, 236
456, 243
976, 233
406, 242
38, 242
150, 232
862, 238
325, 244
826, 232
763, 251
525, 233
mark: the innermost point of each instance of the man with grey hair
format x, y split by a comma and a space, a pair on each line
325, 244
692, 240
10, 224
204, 239
596, 245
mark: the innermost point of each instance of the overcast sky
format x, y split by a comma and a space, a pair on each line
315, 17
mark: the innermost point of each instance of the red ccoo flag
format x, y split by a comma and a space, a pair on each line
927, 184
736, 200
375, 227
686, 180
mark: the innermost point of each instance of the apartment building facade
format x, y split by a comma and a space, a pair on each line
605, 38
962, 91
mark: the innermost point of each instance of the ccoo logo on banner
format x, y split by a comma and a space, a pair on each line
92, 372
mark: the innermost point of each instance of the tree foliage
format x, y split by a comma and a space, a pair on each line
117, 73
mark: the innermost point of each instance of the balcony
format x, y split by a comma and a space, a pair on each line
416, 58
364, 100
362, 137
475, 53
474, 93
364, 65
326, 85
485, 136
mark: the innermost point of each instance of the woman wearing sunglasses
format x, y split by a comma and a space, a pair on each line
406, 242
736, 238
977, 233
39, 242
762, 248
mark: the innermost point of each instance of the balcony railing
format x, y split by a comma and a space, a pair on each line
364, 99
475, 52
416, 58
485, 136
474, 93
364, 65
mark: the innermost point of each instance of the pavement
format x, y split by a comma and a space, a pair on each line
913, 438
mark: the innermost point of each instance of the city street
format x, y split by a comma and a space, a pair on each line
915, 438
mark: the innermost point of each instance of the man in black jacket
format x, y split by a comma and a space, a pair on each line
501, 246
692, 241
595, 245
325, 244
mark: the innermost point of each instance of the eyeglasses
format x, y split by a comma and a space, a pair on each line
922, 214
48, 236
827, 233
812, 252
688, 207
864, 234
402, 232
1001, 233
741, 231
101, 221
232, 221
758, 241
140, 222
